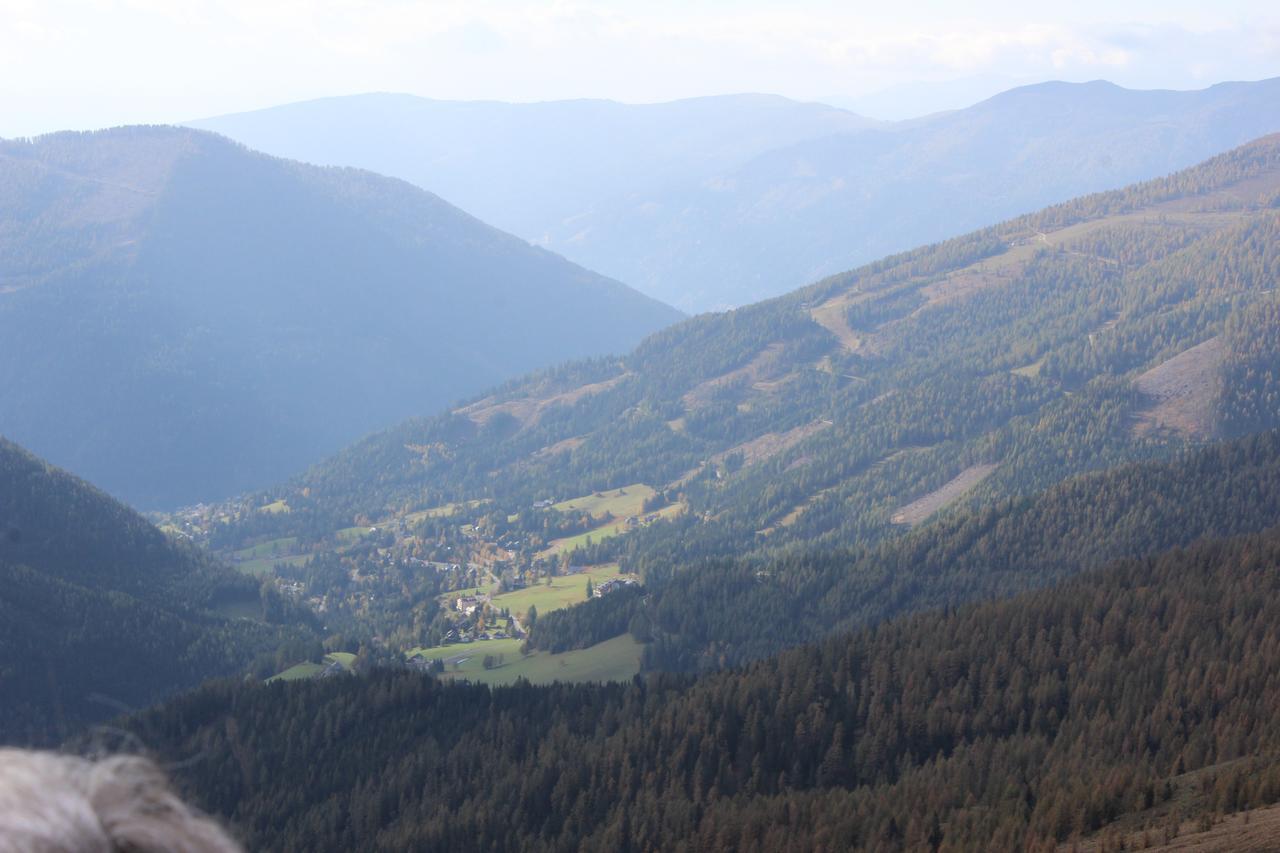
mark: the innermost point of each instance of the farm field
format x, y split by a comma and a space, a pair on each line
265, 565
604, 531
628, 500
468, 657
307, 669
284, 546
352, 534
613, 660
299, 672
564, 591
440, 511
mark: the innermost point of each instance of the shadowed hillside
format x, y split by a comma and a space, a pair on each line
181, 318
100, 611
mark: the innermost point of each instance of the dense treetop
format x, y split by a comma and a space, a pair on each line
101, 611
1016, 724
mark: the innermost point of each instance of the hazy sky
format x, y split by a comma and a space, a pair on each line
90, 63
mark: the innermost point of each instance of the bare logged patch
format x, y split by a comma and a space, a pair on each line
1253, 831
970, 281
760, 369
830, 315
899, 454
1182, 390
559, 447
1031, 371
684, 478
528, 410
770, 444
918, 510
800, 509
759, 449
1246, 194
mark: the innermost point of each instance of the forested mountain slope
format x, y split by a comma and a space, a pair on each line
182, 319
1143, 694
719, 612
99, 610
717, 202
1119, 327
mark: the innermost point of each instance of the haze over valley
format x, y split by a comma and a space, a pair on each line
717, 202
616, 445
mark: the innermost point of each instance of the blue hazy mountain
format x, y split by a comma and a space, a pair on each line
714, 202
182, 318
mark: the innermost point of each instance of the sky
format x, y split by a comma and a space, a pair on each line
93, 63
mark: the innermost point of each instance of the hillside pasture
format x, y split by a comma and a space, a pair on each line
613, 660
299, 672
266, 565
446, 511
274, 547
564, 591
605, 531
620, 503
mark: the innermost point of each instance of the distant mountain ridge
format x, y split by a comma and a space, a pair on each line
181, 318
771, 193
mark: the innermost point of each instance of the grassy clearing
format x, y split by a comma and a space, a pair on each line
266, 565
299, 672
307, 669
613, 660
352, 534
267, 549
1031, 371
628, 500
275, 507
441, 511
468, 658
564, 591
605, 531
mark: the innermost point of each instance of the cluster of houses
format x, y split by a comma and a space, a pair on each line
612, 585
293, 589
454, 635
469, 604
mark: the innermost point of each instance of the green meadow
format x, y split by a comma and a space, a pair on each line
564, 591
605, 531
620, 503
613, 660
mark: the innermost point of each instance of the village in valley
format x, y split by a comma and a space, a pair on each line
453, 589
